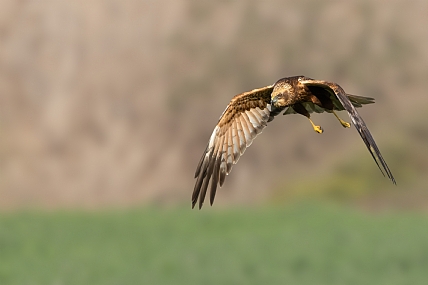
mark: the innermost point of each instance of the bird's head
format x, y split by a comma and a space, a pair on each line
282, 94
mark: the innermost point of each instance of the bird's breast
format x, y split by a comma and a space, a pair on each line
275, 110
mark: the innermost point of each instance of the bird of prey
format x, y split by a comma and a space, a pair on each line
248, 114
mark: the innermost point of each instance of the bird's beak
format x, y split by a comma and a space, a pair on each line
278, 101
274, 100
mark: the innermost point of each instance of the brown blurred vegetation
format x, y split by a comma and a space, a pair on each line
111, 103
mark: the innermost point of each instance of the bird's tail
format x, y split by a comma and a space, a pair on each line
358, 101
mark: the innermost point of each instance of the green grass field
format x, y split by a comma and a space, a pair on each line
297, 245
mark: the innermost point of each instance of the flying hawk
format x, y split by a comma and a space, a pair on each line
248, 114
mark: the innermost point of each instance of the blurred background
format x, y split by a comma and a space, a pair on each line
107, 106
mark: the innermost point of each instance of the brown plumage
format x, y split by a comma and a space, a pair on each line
248, 114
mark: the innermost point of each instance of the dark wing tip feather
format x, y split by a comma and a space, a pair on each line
362, 129
372, 147
215, 178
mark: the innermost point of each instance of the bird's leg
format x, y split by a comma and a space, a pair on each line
318, 129
344, 124
300, 109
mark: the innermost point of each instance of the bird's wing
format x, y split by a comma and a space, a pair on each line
244, 118
357, 101
346, 104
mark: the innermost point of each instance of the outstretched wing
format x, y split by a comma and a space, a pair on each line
338, 93
244, 118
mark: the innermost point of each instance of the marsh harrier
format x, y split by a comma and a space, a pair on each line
248, 114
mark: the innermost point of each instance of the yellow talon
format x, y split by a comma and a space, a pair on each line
318, 129
344, 124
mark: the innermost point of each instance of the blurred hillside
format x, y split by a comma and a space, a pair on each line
112, 102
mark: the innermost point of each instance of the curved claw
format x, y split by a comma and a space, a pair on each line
318, 129
344, 124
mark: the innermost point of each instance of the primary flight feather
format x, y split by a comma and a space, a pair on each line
248, 114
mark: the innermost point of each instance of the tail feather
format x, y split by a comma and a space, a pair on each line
358, 101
